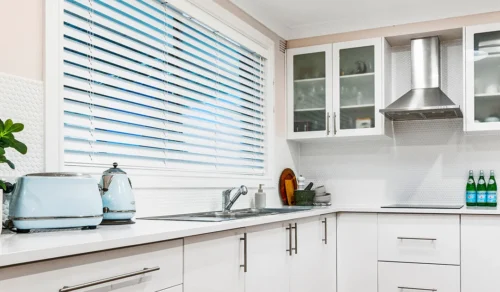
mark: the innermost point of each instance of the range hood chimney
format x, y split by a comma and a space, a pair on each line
425, 101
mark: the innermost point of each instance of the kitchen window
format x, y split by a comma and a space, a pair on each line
151, 87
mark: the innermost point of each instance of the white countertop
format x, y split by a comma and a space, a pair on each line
24, 248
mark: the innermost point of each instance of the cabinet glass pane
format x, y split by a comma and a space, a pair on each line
487, 77
309, 92
357, 88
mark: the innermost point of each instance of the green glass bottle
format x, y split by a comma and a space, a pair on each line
481, 190
491, 191
470, 191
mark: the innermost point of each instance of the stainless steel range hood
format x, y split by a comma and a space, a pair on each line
425, 100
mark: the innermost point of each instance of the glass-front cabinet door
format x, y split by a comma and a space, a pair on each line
482, 78
309, 90
357, 85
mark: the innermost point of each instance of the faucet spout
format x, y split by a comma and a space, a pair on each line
227, 202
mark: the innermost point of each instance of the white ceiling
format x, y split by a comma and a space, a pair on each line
293, 19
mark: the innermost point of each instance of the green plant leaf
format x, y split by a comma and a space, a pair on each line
3, 186
17, 127
10, 164
8, 124
19, 146
4, 142
2, 126
2, 151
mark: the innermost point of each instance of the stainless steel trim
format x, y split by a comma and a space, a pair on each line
417, 238
334, 123
107, 210
245, 254
327, 123
53, 217
290, 249
107, 280
417, 289
326, 231
59, 174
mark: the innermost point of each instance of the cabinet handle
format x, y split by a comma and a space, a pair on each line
326, 231
327, 124
290, 249
417, 238
296, 230
245, 254
417, 289
107, 280
334, 123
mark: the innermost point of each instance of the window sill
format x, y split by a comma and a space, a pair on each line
170, 179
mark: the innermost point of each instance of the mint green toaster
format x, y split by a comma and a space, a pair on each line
55, 200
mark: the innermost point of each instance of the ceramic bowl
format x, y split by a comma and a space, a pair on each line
323, 199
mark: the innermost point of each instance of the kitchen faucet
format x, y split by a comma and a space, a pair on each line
227, 202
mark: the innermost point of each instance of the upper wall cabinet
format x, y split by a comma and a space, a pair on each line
482, 78
309, 87
357, 87
336, 90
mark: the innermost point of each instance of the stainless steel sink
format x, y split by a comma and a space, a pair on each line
219, 216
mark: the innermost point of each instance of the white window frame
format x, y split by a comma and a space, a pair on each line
207, 12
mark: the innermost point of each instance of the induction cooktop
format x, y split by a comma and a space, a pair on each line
424, 206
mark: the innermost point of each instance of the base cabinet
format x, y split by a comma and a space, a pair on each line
408, 277
357, 252
295, 256
212, 262
53, 275
480, 239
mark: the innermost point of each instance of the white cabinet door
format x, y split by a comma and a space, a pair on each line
309, 92
53, 275
358, 91
327, 278
480, 258
482, 78
267, 259
406, 277
212, 262
305, 270
356, 252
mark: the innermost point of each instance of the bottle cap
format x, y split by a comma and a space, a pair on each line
260, 187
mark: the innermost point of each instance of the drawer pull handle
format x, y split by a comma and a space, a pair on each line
416, 289
107, 280
417, 238
326, 231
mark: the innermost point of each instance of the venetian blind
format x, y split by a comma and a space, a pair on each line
148, 86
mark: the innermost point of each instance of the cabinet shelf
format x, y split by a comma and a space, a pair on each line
357, 106
357, 75
310, 109
496, 94
309, 80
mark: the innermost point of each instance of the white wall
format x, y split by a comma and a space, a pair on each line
21, 50
21, 66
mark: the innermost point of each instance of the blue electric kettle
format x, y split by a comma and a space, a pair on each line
117, 197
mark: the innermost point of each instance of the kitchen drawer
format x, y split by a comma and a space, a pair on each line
406, 277
419, 238
52, 275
